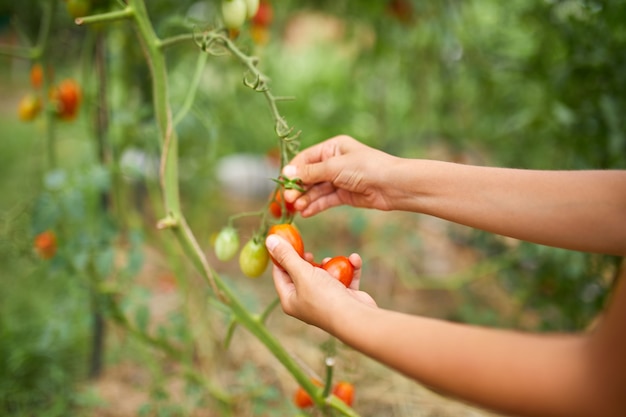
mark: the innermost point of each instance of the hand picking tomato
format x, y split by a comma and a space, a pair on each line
288, 232
276, 205
253, 258
340, 268
302, 399
226, 243
345, 392
46, 244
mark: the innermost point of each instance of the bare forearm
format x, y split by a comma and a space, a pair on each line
580, 210
512, 373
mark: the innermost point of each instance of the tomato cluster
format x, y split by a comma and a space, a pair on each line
45, 244
64, 97
342, 390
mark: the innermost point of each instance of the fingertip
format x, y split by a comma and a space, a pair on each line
290, 171
271, 241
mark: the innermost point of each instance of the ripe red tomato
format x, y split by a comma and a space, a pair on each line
288, 232
302, 399
264, 15
67, 96
29, 107
276, 205
253, 258
345, 392
36, 75
226, 243
46, 244
340, 268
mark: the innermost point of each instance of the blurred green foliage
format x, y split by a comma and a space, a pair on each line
524, 83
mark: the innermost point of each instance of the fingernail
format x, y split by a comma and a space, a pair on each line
289, 171
271, 242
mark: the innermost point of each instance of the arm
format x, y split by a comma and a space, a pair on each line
581, 210
510, 372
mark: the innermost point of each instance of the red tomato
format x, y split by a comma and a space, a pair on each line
302, 399
276, 206
46, 244
340, 268
264, 15
345, 392
288, 232
67, 96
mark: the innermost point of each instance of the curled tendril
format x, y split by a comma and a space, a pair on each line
259, 84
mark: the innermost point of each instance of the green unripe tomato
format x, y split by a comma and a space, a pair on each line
234, 13
253, 258
252, 6
78, 8
226, 244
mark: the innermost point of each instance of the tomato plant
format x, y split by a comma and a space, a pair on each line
29, 107
46, 244
288, 232
345, 392
226, 243
252, 7
253, 258
340, 268
67, 96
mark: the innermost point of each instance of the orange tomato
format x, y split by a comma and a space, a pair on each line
288, 232
345, 392
302, 399
67, 96
46, 244
36, 75
29, 107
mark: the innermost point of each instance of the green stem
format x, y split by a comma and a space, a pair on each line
126, 13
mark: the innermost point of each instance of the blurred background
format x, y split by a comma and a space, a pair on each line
528, 84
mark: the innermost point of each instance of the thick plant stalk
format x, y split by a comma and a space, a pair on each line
174, 218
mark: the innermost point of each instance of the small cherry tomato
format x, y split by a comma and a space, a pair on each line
46, 244
253, 258
302, 399
288, 232
252, 7
340, 268
264, 14
276, 205
78, 8
67, 96
234, 13
29, 107
36, 75
226, 243
345, 392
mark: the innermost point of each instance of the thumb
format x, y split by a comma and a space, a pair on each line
284, 254
310, 173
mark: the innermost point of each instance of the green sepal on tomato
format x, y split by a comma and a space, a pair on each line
253, 258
